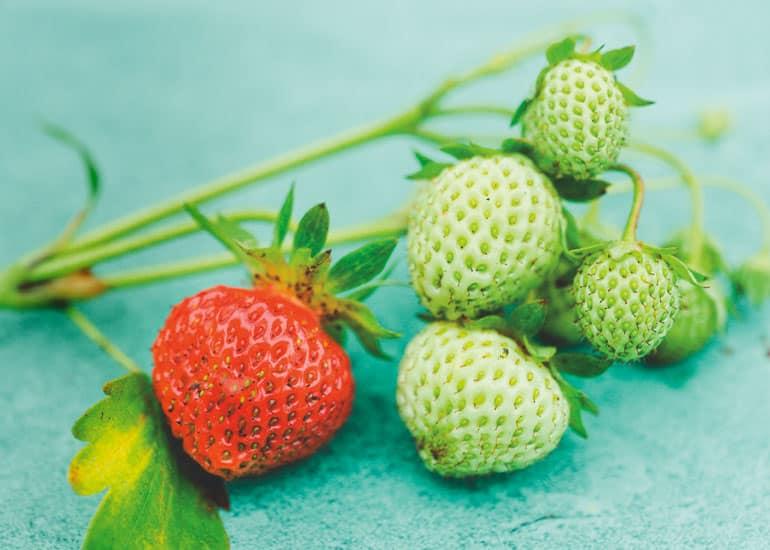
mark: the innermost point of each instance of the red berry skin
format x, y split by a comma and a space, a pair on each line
249, 380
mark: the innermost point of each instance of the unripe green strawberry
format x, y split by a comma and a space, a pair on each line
577, 122
627, 300
476, 403
486, 232
702, 313
560, 326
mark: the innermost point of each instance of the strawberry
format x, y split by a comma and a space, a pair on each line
486, 231
248, 378
577, 119
476, 402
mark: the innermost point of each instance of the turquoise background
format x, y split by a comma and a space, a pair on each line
172, 93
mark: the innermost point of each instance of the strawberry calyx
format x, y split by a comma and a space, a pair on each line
305, 271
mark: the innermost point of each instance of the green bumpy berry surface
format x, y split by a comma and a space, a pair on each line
476, 403
701, 315
626, 300
485, 232
577, 123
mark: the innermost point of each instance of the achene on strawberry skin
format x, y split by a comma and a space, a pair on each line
249, 379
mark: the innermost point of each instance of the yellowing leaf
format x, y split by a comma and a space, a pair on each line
157, 497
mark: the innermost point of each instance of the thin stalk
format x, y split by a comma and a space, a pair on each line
629, 233
392, 226
95, 335
696, 195
403, 123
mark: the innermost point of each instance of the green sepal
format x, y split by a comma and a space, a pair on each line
462, 151
360, 266
559, 51
614, 60
527, 319
429, 171
497, 323
337, 330
683, 271
579, 254
630, 96
156, 496
538, 351
578, 402
571, 238
228, 233
365, 326
520, 111
312, 230
580, 190
363, 292
516, 145
284, 219
581, 364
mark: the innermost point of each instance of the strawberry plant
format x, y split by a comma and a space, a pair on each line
246, 380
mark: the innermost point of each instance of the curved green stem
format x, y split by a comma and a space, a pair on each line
95, 335
89, 257
629, 233
391, 226
473, 110
696, 195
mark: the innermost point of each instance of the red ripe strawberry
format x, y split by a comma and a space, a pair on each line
248, 378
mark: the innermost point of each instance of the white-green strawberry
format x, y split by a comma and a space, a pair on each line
476, 402
577, 120
702, 313
626, 300
486, 231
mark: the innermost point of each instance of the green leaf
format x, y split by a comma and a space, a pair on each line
284, 219
360, 266
572, 238
631, 98
683, 271
520, 111
92, 171
313, 229
614, 60
580, 190
581, 364
156, 496
560, 51
363, 292
528, 318
429, 171
228, 233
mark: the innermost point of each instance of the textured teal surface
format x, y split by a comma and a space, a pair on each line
172, 93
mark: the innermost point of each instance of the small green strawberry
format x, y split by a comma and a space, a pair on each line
577, 120
560, 326
702, 313
476, 402
486, 231
627, 300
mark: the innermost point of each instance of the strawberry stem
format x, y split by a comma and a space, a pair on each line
696, 195
96, 336
629, 233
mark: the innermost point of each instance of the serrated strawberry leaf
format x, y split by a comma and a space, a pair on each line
284, 219
560, 51
581, 364
631, 98
360, 266
580, 190
614, 60
429, 171
313, 229
520, 111
527, 319
157, 497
